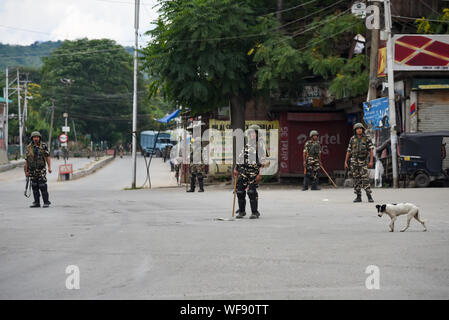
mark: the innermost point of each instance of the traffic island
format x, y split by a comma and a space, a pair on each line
91, 167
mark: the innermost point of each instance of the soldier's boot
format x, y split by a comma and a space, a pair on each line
253, 201
370, 198
44, 191
242, 204
315, 184
201, 183
36, 195
192, 184
306, 183
358, 198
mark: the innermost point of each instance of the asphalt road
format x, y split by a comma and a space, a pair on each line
165, 243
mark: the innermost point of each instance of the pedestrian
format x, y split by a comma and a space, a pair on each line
359, 149
37, 157
312, 161
121, 150
247, 172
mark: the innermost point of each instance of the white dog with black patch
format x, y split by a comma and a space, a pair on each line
395, 210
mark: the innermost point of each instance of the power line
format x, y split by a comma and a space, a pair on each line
335, 34
292, 8
319, 24
431, 8
312, 14
414, 18
181, 41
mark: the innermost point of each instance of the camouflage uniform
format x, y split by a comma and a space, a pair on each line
36, 159
313, 150
248, 168
196, 172
359, 148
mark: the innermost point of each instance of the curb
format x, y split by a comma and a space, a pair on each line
85, 172
80, 173
12, 165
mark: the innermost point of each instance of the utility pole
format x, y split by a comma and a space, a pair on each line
51, 123
372, 90
391, 95
25, 106
134, 129
20, 113
279, 9
7, 110
74, 130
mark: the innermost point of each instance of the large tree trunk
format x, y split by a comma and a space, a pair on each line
238, 106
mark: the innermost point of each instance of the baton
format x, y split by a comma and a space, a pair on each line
328, 176
235, 187
26, 193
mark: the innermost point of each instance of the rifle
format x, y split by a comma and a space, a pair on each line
27, 192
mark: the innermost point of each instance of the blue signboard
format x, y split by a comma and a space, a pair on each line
376, 113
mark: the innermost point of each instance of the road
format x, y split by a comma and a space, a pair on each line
165, 243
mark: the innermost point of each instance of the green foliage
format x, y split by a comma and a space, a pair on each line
26, 56
202, 52
100, 98
436, 25
327, 55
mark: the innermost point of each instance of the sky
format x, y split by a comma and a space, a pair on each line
23, 22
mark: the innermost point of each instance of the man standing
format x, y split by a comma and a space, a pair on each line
312, 161
196, 169
360, 147
247, 173
37, 157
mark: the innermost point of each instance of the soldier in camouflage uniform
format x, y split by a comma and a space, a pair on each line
37, 156
312, 161
247, 172
196, 170
360, 147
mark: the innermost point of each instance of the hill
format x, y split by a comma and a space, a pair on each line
29, 56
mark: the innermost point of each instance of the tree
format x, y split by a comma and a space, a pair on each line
202, 54
330, 54
438, 25
100, 95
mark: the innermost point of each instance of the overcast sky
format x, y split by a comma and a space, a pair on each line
26, 21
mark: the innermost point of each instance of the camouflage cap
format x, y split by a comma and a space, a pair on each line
359, 125
36, 134
313, 133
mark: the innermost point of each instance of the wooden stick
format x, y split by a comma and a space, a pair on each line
328, 176
233, 204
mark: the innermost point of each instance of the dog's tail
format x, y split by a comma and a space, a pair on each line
419, 217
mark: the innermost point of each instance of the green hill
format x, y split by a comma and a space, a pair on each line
26, 56
29, 56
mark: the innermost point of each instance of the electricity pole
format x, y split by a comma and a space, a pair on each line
7, 110
391, 96
20, 113
25, 104
51, 123
134, 129
372, 90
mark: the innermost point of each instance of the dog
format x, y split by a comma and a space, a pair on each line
394, 210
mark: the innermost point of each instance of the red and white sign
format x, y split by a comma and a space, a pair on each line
65, 168
63, 138
421, 52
